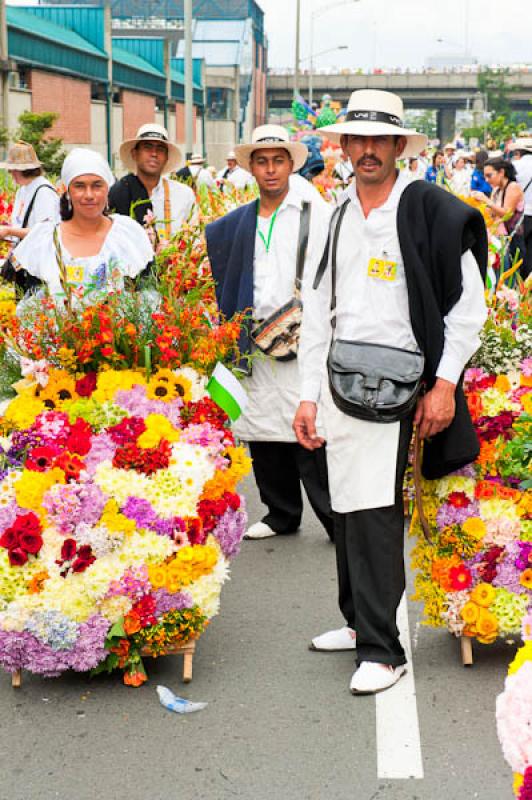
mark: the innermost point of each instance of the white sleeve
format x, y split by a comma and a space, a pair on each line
315, 327
36, 253
463, 323
46, 206
132, 244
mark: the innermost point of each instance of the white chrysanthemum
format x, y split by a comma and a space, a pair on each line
198, 382
14, 618
113, 608
206, 590
455, 483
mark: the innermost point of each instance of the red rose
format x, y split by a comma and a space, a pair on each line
28, 523
86, 385
17, 557
81, 564
68, 550
31, 542
85, 552
9, 538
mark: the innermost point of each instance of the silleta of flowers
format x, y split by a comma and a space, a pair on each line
476, 579
119, 506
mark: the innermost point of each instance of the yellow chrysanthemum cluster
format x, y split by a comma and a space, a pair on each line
23, 410
114, 521
31, 487
110, 381
157, 427
480, 622
190, 563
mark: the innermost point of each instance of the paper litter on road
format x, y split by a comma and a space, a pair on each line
178, 704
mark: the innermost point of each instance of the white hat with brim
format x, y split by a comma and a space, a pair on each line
151, 132
21, 157
267, 137
196, 159
522, 143
372, 112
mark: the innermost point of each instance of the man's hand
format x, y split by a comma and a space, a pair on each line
304, 426
435, 410
5, 230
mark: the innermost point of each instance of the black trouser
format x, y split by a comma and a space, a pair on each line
526, 267
280, 468
371, 571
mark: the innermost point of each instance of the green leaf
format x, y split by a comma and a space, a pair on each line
117, 630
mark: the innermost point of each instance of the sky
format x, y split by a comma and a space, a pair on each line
399, 33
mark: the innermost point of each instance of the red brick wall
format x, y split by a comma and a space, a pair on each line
70, 98
180, 122
137, 109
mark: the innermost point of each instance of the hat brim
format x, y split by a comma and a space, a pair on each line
297, 150
415, 142
20, 167
174, 154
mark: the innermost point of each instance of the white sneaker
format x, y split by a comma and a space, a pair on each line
372, 677
332, 641
259, 531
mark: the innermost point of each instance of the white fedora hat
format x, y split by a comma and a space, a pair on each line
372, 112
266, 137
151, 132
196, 159
522, 143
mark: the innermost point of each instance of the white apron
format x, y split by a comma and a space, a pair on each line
273, 390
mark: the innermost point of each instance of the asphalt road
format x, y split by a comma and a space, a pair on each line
280, 722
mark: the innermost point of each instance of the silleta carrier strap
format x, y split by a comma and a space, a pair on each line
167, 210
302, 244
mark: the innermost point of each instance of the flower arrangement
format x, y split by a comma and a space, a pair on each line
476, 578
514, 716
119, 514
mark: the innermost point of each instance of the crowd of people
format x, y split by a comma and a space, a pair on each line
373, 293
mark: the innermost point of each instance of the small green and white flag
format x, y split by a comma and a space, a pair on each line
227, 392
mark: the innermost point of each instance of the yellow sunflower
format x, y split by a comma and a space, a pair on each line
60, 389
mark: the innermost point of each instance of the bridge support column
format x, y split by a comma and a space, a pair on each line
446, 125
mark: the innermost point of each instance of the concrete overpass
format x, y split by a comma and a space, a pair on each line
446, 92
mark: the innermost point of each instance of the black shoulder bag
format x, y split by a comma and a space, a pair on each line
368, 381
277, 336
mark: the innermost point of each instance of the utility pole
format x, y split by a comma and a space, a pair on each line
4, 59
108, 47
189, 118
298, 31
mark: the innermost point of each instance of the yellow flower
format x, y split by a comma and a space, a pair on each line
60, 389
523, 655
157, 427
502, 383
517, 782
474, 527
483, 595
487, 626
470, 613
23, 410
239, 462
31, 487
110, 381
526, 402
67, 358
157, 575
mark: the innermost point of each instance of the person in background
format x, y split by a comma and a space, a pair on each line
149, 157
522, 151
436, 172
195, 174
478, 181
254, 251
89, 249
36, 199
301, 181
414, 170
460, 181
343, 169
234, 174
506, 203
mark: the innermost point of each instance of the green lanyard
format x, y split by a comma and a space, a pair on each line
267, 241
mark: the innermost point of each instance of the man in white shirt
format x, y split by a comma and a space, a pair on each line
194, 173
522, 161
234, 174
402, 282
149, 157
253, 252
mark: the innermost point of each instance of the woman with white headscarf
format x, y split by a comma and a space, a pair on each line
89, 249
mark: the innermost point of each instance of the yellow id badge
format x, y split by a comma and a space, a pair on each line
382, 269
74, 273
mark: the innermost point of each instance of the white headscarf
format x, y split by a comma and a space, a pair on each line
82, 161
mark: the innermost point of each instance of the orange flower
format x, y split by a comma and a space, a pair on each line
135, 678
502, 383
37, 582
474, 403
526, 578
121, 650
132, 623
470, 613
483, 594
487, 627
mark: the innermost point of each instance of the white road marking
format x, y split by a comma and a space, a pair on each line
398, 739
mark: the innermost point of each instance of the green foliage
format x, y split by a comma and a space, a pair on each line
33, 128
504, 123
494, 84
423, 121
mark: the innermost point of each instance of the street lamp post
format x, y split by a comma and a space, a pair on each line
311, 75
298, 37
317, 13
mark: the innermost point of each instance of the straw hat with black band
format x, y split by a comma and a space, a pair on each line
372, 112
151, 132
266, 137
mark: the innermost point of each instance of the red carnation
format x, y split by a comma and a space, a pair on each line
81, 564
86, 385
9, 538
85, 552
458, 499
68, 550
232, 500
71, 466
195, 532
79, 439
128, 430
31, 542
17, 557
28, 523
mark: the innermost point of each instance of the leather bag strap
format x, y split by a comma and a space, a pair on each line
302, 244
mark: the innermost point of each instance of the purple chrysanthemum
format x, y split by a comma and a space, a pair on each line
230, 530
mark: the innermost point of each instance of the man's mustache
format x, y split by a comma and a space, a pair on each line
368, 160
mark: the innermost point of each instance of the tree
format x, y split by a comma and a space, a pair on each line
33, 129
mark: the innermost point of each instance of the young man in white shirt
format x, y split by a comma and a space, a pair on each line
253, 252
388, 294
234, 174
149, 157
